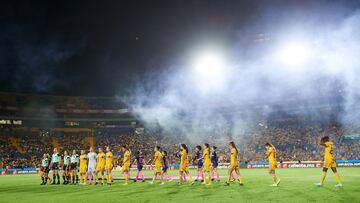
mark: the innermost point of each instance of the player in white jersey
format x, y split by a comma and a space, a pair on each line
91, 166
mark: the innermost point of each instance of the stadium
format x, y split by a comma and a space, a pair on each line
183, 101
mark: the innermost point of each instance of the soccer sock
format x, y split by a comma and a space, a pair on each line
126, 176
97, 178
274, 178
239, 179
322, 179
229, 177
102, 178
73, 179
197, 175
203, 177
217, 175
54, 176
212, 174
137, 175
64, 178
43, 179
210, 179
184, 176
58, 177
337, 176
77, 178
81, 178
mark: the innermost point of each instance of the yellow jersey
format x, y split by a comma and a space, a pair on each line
101, 159
206, 155
158, 158
126, 159
234, 159
271, 152
184, 158
109, 158
329, 151
83, 160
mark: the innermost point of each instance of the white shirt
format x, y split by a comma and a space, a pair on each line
92, 158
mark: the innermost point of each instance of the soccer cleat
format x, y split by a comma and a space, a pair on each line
241, 184
226, 184
162, 183
192, 183
274, 185
319, 184
135, 180
126, 184
278, 182
143, 181
339, 185
151, 183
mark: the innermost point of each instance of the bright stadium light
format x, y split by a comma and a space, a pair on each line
209, 71
209, 66
294, 54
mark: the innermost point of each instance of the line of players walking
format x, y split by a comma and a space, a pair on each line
92, 167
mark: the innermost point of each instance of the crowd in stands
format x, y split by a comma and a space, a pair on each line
293, 143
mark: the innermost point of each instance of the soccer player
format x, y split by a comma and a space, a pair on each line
214, 164
108, 165
165, 166
74, 161
140, 161
184, 163
100, 166
45, 169
158, 162
234, 164
126, 164
83, 165
271, 154
91, 166
199, 162
55, 166
329, 161
66, 168
207, 163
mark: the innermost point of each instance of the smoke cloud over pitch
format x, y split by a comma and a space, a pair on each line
257, 84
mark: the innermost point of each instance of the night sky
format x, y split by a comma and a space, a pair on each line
102, 48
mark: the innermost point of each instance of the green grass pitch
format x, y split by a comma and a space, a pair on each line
297, 185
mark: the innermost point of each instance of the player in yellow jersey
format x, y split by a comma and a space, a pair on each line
100, 166
126, 164
234, 164
329, 161
271, 155
83, 167
109, 165
158, 162
184, 164
207, 163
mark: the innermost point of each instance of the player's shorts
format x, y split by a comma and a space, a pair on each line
65, 167
91, 168
164, 168
73, 166
140, 167
55, 166
330, 163
200, 164
82, 169
207, 166
234, 165
215, 164
158, 168
108, 167
126, 167
46, 170
100, 167
184, 169
272, 166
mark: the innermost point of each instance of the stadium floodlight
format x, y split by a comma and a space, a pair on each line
209, 71
294, 54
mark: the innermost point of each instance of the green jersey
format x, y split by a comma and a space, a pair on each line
44, 163
66, 159
55, 158
74, 158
